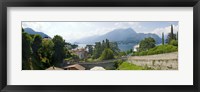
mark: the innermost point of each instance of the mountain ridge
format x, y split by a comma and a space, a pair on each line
31, 31
127, 35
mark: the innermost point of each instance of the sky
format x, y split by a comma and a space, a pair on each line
72, 31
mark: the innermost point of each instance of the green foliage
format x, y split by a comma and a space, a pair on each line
26, 50
117, 63
47, 52
59, 50
103, 45
22, 30
114, 47
163, 41
174, 42
171, 36
107, 43
97, 50
107, 54
129, 51
37, 43
100, 47
129, 66
157, 50
122, 53
26, 46
147, 44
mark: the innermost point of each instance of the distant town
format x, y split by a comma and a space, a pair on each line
119, 49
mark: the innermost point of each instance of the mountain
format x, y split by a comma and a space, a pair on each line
31, 31
123, 36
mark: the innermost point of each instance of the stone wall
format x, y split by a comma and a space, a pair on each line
168, 64
168, 61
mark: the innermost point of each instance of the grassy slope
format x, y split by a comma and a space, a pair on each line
129, 66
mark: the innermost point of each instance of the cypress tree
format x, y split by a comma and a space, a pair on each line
172, 34
107, 43
163, 39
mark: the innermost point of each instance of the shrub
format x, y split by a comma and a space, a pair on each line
107, 54
174, 42
157, 50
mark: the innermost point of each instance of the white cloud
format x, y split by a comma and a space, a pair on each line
165, 30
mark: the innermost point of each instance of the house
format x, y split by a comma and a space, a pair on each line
81, 53
136, 47
54, 68
74, 67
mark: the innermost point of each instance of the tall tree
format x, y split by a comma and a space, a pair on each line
26, 51
37, 44
114, 47
163, 41
103, 45
59, 50
107, 43
146, 44
97, 50
47, 52
172, 36
107, 54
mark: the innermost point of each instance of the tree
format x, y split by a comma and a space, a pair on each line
163, 41
103, 45
129, 51
171, 36
107, 43
37, 44
107, 54
114, 47
97, 50
47, 52
90, 49
146, 44
100, 47
26, 51
59, 50
22, 30
174, 42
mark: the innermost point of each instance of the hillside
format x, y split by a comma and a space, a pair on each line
31, 31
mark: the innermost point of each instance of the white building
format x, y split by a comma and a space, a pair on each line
136, 47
